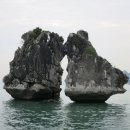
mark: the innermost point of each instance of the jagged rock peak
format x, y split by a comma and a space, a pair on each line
35, 71
90, 78
83, 34
78, 45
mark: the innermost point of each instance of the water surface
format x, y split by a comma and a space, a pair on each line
65, 114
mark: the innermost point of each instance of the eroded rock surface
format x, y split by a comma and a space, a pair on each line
35, 71
90, 77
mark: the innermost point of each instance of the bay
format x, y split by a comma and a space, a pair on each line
65, 114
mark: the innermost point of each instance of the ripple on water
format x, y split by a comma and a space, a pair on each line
65, 115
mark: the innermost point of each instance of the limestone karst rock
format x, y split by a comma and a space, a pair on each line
35, 71
128, 75
90, 77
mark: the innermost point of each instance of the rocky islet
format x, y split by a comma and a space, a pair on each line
90, 77
35, 71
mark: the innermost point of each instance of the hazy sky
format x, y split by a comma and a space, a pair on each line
106, 21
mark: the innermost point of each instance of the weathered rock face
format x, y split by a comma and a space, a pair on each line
35, 72
90, 77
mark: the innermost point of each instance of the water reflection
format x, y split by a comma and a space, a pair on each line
24, 115
53, 115
95, 116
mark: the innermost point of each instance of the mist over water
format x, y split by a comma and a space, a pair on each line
65, 114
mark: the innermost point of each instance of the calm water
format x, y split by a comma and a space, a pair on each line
64, 114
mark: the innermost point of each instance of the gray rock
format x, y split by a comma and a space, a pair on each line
35, 71
90, 77
128, 74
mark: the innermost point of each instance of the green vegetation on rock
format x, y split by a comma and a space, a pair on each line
31, 35
36, 32
90, 51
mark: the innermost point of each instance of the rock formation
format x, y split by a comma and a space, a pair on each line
90, 77
128, 75
35, 72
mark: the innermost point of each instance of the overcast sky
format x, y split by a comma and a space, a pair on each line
106, 21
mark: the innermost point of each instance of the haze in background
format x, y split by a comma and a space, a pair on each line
106, 21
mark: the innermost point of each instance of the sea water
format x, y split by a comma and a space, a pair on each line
64, 114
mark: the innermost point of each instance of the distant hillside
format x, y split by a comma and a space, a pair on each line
128, 74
